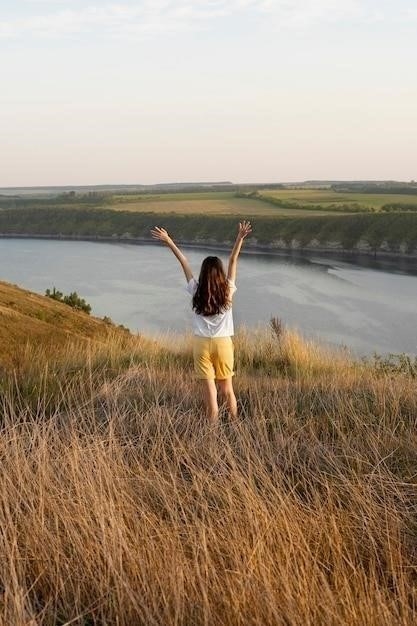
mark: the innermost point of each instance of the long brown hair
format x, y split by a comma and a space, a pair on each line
212, 294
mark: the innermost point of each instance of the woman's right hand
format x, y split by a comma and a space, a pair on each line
160, 234
245, 229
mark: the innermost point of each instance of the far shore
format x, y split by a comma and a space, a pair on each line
329, 252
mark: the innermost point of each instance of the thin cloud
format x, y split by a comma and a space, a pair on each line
412, 14
158, 16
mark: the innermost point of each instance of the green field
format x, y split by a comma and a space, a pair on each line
259, 202
285, 218
256, 201
209, 203
195, 203
326, 197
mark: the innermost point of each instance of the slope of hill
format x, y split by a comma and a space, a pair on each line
28, 319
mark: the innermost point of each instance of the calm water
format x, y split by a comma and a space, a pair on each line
363, 307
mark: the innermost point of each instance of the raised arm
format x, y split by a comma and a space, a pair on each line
244, 230
162, 235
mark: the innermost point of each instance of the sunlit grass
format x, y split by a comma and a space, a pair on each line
121, 505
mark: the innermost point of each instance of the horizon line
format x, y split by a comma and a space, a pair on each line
211, 183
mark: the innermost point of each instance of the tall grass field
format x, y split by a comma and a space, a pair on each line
121, 506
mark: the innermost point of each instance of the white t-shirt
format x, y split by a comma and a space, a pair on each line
220, 325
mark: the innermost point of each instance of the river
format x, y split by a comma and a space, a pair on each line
366, 306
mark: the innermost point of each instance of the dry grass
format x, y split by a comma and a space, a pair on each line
120, 505
29, 322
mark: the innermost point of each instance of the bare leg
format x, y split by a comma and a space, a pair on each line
226, 390
210, 400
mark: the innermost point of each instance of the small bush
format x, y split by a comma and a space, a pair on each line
73, 300
394, 364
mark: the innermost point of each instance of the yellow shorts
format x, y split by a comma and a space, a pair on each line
213, 357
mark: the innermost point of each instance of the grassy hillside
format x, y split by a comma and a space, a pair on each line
119, 505
30, 322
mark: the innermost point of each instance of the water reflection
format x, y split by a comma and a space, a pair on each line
368, 305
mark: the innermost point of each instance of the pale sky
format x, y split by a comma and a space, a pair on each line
147, 91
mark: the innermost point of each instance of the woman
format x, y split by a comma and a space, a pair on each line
213, 329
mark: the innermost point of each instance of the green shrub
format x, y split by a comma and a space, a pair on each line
73, 300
